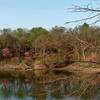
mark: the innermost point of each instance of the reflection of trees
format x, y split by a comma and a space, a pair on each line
61, 89
20, 94
57, 94
20, 89
5, 89
17, 88
40, 97
92, 92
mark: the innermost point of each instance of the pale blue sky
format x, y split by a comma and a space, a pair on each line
34, 13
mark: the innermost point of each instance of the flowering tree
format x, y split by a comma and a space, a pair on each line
6, 53
28, 57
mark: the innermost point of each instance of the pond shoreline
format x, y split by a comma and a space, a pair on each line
78, 69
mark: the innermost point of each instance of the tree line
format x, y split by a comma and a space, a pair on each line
57, 46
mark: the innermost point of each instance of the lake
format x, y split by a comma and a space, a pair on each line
49, 86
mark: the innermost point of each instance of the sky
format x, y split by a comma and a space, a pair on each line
39, 13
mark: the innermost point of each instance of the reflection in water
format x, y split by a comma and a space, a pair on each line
37, 89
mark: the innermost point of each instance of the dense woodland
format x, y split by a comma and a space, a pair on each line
54, 47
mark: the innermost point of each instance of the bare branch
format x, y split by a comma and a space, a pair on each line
96, 21
95, 11
84, 9
88, 18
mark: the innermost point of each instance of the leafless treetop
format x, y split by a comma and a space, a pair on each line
95, 13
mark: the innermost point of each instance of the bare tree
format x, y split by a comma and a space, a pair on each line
95, 13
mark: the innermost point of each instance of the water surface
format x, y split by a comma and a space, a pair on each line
50, 86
